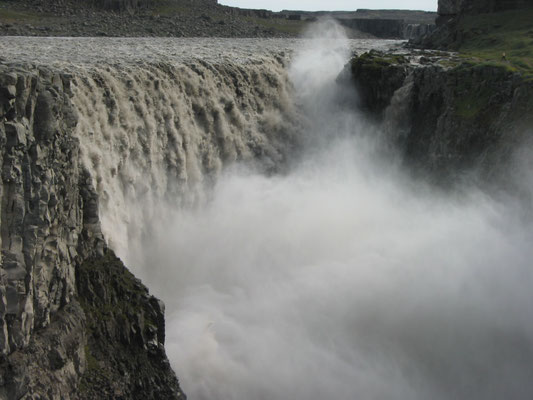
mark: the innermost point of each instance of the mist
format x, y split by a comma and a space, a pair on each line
342, 278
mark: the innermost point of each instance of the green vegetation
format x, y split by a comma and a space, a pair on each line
470, 104
377, 60
499, 39
119, 291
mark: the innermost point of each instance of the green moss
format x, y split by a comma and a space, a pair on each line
118, 311
374, 62
488, 37
380, 59
471, 101
92, 362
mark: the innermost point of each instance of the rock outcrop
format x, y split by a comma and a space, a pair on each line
447, 34
125, 327
453, 119
462, 7
49, 227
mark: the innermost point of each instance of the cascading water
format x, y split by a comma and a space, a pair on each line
339, 277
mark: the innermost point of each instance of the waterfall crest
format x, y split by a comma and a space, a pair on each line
154, 133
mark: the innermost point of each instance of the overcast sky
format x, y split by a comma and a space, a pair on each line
348, 5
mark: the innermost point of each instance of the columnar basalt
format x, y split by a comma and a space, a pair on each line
49, 226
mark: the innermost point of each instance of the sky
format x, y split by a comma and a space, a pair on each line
331, 5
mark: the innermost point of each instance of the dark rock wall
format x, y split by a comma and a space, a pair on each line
467, 118
49, 225
387, 28
43, 213
447, 35
381, 28
125, 327
457, 7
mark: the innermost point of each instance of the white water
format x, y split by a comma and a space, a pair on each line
344, 279
338, 278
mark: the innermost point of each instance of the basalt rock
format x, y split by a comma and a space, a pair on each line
447, 35
49, 226
454, 119
125, 327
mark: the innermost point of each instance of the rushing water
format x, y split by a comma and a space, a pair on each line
335, 276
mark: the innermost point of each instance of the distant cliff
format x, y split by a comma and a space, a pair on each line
453, 20
458, 7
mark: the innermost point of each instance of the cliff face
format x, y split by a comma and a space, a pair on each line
460, 21
49, 227
452, 120
457, 7
123, 5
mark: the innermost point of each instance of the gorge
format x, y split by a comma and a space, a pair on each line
318, 224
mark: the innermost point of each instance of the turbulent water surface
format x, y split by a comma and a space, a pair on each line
296, 259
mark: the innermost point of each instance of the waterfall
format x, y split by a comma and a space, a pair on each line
156, 133
296, 258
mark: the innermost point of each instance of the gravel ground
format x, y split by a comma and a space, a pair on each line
62, 18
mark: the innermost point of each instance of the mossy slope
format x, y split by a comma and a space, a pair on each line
125, 330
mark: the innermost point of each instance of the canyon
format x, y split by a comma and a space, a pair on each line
322, 217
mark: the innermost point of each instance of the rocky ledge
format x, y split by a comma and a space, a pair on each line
454, 116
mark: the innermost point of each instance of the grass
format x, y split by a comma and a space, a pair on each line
378, 60
486, 37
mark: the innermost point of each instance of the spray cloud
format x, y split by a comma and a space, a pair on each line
343, 278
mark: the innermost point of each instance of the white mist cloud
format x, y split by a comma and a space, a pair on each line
343, 279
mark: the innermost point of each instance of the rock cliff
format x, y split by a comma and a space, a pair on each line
451, 25
462, 7
453, 117
49, 229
